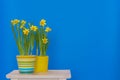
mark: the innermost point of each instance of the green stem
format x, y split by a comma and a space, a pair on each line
44, 51
37, 51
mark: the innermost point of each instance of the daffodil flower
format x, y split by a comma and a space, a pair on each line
26, 31
47, 29
15, 21
34, 28
45, 40
21, 27
23, 22
43, 22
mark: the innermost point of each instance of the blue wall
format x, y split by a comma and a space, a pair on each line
85, 35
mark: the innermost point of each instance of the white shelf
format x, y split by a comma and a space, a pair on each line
50, 75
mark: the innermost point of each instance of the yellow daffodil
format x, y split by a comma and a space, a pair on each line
26, 31
23, 22
21, 26
45, 40
15, 21
34, 28
43, 22
47, 29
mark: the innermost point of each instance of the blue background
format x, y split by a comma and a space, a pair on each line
85, 35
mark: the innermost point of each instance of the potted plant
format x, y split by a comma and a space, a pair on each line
24, 37
42, 41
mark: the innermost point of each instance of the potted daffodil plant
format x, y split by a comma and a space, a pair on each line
24, 36
42, 43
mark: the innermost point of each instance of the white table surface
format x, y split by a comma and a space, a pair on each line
50, 75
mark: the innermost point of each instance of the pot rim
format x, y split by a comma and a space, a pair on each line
25, 56
42, 56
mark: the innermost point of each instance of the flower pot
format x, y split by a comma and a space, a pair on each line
26, 64
41, 64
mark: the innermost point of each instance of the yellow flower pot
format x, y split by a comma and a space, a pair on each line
41, 64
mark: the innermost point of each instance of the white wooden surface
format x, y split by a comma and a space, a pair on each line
50, 75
